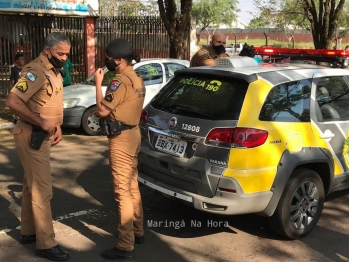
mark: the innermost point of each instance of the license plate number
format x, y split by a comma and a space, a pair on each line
170, 145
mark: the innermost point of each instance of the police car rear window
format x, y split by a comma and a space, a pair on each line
205, 98
288, 102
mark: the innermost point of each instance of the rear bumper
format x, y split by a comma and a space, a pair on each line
222, 202
72, 116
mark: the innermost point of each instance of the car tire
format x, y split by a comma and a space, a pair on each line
300, 205
89, 122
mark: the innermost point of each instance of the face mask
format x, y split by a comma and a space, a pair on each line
219, 49
110, 64
57, 63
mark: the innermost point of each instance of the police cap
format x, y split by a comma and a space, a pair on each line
119, 48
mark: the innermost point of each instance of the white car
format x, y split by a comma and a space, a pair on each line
80, 100
234, 49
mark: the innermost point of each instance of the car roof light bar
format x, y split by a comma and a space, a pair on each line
274, 51
235, 61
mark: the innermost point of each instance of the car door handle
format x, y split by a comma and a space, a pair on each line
327, 134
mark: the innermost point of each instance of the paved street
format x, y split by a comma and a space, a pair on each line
85, 217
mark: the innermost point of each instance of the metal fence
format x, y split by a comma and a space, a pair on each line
26, 33
147, 34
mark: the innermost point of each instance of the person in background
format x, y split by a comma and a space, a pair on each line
206, 56
15, 74
68, 66
17, 68
248, 50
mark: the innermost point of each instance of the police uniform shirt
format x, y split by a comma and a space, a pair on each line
125, 97
204, 55
40, 87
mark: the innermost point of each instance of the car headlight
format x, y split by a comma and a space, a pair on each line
71, 102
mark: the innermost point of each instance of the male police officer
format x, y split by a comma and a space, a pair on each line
207, 56
122, 106
37, 99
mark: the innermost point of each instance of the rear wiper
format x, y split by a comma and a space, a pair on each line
185, 108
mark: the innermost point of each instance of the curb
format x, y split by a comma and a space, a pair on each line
7, 125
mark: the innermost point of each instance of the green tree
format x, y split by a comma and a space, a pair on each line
210, 13
322, 18
177, 21
125, 8
257, 22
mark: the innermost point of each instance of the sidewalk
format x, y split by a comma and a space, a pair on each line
5, 123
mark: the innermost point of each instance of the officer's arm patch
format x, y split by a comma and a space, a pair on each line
109, 97
114, 85
207, 54
30, 76
22, 86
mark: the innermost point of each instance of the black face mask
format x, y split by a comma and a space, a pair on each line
219, 49
57, 63
110, 64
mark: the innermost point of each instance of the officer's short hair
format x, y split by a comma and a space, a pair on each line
55, 38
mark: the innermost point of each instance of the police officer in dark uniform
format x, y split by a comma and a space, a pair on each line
37, 99
207, 56
120, 110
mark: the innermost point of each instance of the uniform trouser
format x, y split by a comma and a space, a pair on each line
36, 216
123, 151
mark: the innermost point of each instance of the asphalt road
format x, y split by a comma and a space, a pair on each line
85, 217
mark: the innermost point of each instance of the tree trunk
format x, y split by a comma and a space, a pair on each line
179, 48
178, 25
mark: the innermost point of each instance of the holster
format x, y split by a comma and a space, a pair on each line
37, 137
112, 128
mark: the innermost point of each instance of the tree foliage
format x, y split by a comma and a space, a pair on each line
322, 18
258, 22
177, 21
212, 13
126, 8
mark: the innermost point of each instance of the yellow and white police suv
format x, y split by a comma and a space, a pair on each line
241, 138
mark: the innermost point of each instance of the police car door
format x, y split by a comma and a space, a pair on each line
153, 78
330, 119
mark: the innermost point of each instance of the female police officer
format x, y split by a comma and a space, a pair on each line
121, 107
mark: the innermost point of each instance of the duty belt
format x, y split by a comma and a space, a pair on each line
112, 128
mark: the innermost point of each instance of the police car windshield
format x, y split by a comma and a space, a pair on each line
202, 97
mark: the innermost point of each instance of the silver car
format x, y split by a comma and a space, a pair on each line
80, 100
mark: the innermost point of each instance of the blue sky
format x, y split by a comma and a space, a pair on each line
246, 6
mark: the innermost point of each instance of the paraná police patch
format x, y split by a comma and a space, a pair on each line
30, 76
114, 85
109, 97
22, 86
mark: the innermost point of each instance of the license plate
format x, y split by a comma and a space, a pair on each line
170, 145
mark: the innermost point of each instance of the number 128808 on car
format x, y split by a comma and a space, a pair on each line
170, 145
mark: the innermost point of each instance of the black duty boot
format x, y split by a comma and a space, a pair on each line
54, 253
27, 239
139, 240
118, 254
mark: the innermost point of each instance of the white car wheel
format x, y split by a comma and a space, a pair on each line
89, 122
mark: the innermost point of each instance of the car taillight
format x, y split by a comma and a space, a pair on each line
237, 137
144, 116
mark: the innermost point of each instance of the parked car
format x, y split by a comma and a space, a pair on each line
80, 99
243, 138
234, 48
